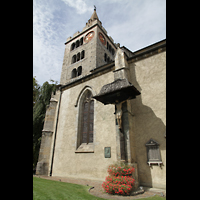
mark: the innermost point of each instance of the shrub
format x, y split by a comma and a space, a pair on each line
125, 170
112, 188
120, 180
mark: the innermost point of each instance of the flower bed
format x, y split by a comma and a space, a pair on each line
126, 170
120, 180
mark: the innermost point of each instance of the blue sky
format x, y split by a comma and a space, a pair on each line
132, 23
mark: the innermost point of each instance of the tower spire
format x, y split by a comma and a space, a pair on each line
94, 15
93, 18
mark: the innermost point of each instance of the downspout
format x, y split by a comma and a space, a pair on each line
50, 174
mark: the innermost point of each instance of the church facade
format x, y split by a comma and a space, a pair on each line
110, 106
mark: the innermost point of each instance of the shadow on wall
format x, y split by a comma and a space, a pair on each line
148, 126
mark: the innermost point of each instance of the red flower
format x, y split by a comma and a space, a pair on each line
119, 180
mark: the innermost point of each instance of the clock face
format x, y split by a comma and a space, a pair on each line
89, 36
102, 38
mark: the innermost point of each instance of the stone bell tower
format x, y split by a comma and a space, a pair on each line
86, 50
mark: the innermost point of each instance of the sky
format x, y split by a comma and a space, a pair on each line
134, 24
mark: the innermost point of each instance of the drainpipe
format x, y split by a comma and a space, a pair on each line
55, 133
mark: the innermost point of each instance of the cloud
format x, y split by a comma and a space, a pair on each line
48, 41
80, 5
134, 24
138, 24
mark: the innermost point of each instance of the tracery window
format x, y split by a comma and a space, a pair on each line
87, 120
85, 123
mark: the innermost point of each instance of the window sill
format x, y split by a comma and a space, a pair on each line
85, 148
155, 163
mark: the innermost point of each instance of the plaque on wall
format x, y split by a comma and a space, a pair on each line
107, 152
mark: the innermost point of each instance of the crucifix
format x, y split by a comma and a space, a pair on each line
117, 93
119, 114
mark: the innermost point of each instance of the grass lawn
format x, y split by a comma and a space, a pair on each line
54, 190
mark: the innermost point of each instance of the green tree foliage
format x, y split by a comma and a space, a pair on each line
41, 98
36, 87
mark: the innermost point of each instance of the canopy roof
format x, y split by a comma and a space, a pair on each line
116, 92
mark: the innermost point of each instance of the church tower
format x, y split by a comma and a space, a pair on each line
86, 50
109, 107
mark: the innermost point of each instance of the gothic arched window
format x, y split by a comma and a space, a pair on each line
85, 122
87, 119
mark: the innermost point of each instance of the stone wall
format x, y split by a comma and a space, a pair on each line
44, 160
89, 165
149, 110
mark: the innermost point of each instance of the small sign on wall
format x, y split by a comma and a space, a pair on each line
107, 152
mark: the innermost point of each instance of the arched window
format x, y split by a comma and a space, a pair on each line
81, 41
108, 59
79, 71
87, 118
78, 57
72, 46
77, 43
82, 54
73, 59
105, 57
73, 74
113, 51
110, 48
85, 122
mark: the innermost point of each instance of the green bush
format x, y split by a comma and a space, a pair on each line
120, 180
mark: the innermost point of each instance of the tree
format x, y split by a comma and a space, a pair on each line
41, 98
36, 88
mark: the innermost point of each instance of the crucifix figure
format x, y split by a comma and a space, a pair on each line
94, 7
119, 114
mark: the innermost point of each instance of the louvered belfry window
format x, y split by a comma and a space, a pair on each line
87, 119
